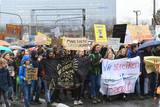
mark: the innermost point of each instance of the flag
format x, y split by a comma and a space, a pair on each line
65, 73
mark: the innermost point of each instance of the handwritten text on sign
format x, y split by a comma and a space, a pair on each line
76, 43
31, 74
140, 33
119, 76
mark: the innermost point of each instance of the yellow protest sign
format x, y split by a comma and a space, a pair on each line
48, 39
151, 63
100, 33
140, 32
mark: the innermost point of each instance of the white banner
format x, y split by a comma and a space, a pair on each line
119, 76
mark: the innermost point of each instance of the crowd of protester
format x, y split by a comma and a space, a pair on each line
13, 82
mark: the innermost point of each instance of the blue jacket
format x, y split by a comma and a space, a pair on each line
132, 54
23, 69
5, 79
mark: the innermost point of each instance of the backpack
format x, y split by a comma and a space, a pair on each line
18, 79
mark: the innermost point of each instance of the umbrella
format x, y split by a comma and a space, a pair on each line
5, 49
15, 47
30, 45
4, 43
150, 43
31, 49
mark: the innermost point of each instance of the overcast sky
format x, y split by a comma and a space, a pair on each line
125, 10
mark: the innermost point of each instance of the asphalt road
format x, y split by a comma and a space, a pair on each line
88, 103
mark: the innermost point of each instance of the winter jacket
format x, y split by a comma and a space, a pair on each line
18, 60
95, 65
143, 54
48, 51
35, 62
157, 84
23, 69
5, 79
103, 51
132, 54
120, 56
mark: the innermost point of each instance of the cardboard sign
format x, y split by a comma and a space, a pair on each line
2, 36
114, 42
119, 31
57, 41
20, 42
31, 73
100, 33
119, 76
15, 31
40, 39
76, 43
140, 33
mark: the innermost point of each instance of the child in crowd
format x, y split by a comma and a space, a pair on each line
27, 85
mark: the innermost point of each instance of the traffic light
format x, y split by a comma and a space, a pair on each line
84, 17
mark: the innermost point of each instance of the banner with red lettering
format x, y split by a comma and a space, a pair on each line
119, 76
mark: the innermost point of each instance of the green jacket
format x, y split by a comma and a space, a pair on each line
95, 66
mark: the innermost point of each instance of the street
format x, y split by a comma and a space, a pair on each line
88, 103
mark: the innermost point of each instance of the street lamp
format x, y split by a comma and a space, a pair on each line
138, 12
13, 14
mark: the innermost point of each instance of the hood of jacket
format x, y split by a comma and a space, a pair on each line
33, 53
25, 58
48, 51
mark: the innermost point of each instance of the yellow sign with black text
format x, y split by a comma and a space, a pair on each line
100, 33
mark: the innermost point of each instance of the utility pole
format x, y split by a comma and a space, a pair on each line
154, 12
84, 20
138, 12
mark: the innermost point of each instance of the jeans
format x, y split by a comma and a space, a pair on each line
138, 91
146, 85
28, 94
38, 89
10, 92
95, 85
48, 92
4, 93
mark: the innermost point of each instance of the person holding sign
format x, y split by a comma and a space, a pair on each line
94, 72
26, 84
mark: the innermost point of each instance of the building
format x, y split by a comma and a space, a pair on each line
58, 11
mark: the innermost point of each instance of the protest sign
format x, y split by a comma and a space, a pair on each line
157, 32
151, 63
100, 33
31, 73
57, 42
76, 43
119, 31
66, 72
114, 42
20, 42
2, 36
15, 31
48, 39
140, 33
40, 39
57, 32
119, 76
